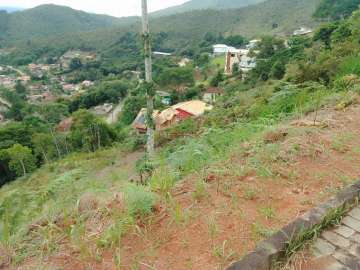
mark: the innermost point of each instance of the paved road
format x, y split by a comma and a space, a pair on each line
339, 248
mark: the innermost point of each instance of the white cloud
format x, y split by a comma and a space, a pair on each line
110, 7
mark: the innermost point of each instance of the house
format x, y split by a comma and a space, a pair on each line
302, 31
87, 83
70, 87
241, 58
233, 57
140, 121
172, 115
253, 44
212, 93
247, 63
183, 62
219, 49
161, 54
24, 79
7, 81
103, 109
165, 97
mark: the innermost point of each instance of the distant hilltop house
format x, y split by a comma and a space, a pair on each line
302, 31
219, 49
172, 115
241, 58
212, 94
161, 54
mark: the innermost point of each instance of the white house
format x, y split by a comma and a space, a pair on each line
161, 54
302, 31
219, 49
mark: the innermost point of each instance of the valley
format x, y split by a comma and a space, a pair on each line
256, 121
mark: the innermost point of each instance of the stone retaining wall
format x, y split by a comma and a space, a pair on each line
272, 249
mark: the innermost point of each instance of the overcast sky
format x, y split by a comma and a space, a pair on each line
111, 7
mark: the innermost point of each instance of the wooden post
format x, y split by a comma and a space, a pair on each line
150, 144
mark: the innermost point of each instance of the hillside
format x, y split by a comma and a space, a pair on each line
271, 17
10, 9
206, 4
82, 194
48, 20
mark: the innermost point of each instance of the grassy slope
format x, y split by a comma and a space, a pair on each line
54, 191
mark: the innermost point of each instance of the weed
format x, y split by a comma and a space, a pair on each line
162, 181
200, 191
333, 217
250, 194
139, 201
259, 231
223, 253
212, 227
267, 212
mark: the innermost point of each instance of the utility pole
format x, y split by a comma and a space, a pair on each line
150, 144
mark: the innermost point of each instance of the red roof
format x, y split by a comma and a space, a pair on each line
215, 90
183, 114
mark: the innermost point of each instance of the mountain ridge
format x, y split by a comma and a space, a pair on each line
206, 4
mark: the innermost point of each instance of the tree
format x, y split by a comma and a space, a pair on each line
20, 90
75, 63
336, 9
89, 132
215, 81
325, 32
44, 146
278, 70
22, 161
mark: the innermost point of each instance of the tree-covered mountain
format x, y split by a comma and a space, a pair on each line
10, 9
34, 36
336, 9
50, 20
206, 4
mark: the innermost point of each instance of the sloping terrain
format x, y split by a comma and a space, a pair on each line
208, 219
